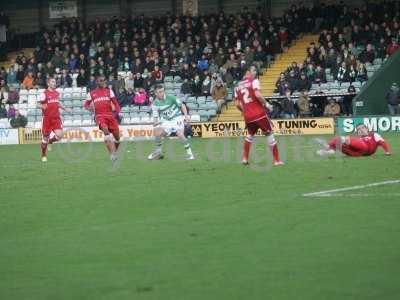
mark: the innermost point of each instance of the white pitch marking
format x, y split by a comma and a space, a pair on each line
351, 188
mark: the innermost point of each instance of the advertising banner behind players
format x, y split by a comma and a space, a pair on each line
90, 134
63, 9
281, 127
374, 123
8, 136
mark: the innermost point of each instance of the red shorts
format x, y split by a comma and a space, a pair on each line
50, 124
108, 122
264, 124
357, 147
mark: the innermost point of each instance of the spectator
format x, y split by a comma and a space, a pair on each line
197, 86
303, 83
186, 87
393, 47
122, 97
293, 81
165, 68
332, 109
304, 104
157, 75
41, 80
28, 82
140, 97
317, 104
65, 79
348, 101
82, 80
219, 94
362, 74
138, 81
288, 106
147, 81
12, 75
92, 82
13, 96
3, 95
206, 86
202, 63
129, 81
319, 75
12, 112
342, 74
368, 55
393, 99
3, 111
352, 75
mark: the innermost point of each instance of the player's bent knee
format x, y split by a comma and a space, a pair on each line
249, 138
271, 140
108, 138
59, 134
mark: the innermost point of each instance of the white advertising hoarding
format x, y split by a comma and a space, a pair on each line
63, 9
8, 136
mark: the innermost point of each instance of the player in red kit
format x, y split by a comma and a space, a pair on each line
103, 102
253, 106
365, 144
49, 102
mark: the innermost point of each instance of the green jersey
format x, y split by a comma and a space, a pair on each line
167, 109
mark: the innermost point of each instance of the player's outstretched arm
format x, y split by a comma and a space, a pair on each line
385, 147
185, 113
382, 143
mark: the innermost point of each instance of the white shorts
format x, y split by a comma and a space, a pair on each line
174, 125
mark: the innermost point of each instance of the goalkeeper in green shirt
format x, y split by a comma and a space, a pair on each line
169, 116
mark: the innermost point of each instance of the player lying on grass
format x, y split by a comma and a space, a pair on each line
169, 116
102, 101
51, 122
365, 144
253, 106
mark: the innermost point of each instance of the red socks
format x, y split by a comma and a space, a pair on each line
43, 147
275, 152
246, 149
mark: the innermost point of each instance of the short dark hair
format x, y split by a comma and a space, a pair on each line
251, 66
158, 87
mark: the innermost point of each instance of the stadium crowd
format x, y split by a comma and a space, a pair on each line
350, 42
209, 53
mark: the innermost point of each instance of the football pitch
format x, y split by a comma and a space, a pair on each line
78, 227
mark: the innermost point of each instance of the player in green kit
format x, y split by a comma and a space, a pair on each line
169, 116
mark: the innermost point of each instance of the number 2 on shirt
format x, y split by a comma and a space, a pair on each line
245, 93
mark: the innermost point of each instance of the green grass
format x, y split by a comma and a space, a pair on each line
78, 228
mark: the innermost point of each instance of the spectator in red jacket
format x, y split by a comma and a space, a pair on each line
392, 48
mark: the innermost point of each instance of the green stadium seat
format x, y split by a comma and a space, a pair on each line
211, 112
192, 105
191, 100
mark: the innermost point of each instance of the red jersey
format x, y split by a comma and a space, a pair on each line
52, 100
373, 141
253, 110
102, 98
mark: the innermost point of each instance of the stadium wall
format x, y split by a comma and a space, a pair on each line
371, 99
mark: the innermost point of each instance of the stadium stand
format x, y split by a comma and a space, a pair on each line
185, 53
